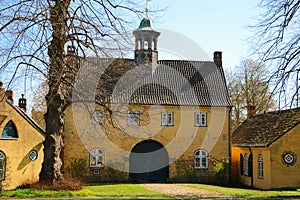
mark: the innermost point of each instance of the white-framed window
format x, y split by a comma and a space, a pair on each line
260, 166
200, 159
200, 119
98, 117
167, 118
2, 166
133, 118
96, 157
245, 165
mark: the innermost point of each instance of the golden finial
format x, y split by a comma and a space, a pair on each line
147, 9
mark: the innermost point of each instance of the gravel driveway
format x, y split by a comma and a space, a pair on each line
184, 192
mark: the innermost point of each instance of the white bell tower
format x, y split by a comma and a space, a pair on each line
146, 38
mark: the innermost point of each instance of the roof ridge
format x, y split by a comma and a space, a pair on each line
173, 60
277, 111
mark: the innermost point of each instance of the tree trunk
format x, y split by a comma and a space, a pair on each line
52, 168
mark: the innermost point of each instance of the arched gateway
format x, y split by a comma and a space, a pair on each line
149, 161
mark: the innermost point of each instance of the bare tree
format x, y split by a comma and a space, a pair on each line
248, 86
277, 42
35, 35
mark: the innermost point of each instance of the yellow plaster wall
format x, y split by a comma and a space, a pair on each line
283, 175
180, 140
19, 168
236, 167
265, 182
276, 173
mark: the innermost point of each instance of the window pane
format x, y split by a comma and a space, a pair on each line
203, 162
197, 119
10, 131
2, 166
203, 119
92, 161
260, 167
197, 162
170, 119
164, 118
245, 164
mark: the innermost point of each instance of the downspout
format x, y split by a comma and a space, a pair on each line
251, 166
229, 141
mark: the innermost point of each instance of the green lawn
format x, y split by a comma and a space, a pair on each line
114, 190
135, 191
248, 193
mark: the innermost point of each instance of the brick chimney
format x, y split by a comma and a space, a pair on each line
218, 58
251, 110
2, 92
23, 103
10, 96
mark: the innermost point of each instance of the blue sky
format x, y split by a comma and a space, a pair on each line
214, 25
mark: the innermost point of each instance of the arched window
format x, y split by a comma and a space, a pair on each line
245, 165
200, 159
2, 165
260, 166
10, 130
96, 157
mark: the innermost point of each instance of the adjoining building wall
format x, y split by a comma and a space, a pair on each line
117, 139
237, 165
255, 180
286, 174
19, 168
277, 172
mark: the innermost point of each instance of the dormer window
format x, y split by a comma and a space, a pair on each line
9, 131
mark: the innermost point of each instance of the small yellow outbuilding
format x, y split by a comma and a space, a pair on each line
265, 150
21, 143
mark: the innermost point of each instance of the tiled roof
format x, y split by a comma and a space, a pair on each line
173, 82
263, 129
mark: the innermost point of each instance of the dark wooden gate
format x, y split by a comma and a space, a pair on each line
149, 161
